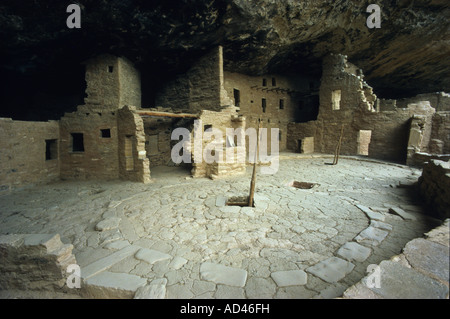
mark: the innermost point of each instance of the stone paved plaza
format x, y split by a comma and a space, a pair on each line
176, 237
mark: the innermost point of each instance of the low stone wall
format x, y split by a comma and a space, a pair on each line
34, 262
434, 185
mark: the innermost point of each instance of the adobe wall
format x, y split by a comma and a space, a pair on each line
23, 153
99, 159
198, 89
438, 100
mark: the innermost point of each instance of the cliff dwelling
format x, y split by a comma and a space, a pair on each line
191, 174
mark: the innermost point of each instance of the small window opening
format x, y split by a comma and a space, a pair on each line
281, 104
105, 133
274, 82
77, 142
264, 105
279, 135
110, 69
207, 127
237, 97
336, 100
51, 149
264, 82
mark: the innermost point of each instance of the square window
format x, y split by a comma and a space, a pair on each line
207, 127
105, 133
77, 142
51, 149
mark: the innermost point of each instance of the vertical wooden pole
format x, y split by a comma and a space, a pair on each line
253, 182
338, 147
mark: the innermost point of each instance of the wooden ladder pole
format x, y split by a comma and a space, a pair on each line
338, 147
253, 182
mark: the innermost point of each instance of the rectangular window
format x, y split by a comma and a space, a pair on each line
77, 142
263, 104
207, 127
336, 100
237, 97
274, 82
264, 82
110, 69
105, 133
281, 104
51, 149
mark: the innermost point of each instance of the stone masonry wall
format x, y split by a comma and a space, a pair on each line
434, 185
34, 262
134, 164
440, 134
23, 153
198, 89
227, 118
99, 160
112, 82
275, 90
439, 101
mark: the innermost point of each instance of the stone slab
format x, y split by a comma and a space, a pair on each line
116, 281
151, 256
428, 257
108, 223
221, 201
354, 251
221, 274
400, 212
332, 269
400, 282
381, 225
155, 290
372, 236
289, 278
370, 213
107, 262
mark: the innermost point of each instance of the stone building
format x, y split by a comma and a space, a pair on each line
112, 136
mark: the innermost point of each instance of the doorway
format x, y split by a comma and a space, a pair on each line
364, 137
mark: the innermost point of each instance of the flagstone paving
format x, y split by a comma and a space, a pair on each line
176, 237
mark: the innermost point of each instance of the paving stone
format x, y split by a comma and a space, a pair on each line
108, 261
400, 282
118, 244
370, 213
151, 256
289, 278
227, 292
116, 281
332, 269
108, 223
221, 200
221, 274
400, 212
177, 262
260, 288
155, 290
429, 257
372, 236
381, 225
354, 251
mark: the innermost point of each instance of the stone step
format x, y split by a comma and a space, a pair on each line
107, 262
113, 285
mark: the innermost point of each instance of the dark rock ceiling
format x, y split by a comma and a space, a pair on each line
408, 55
